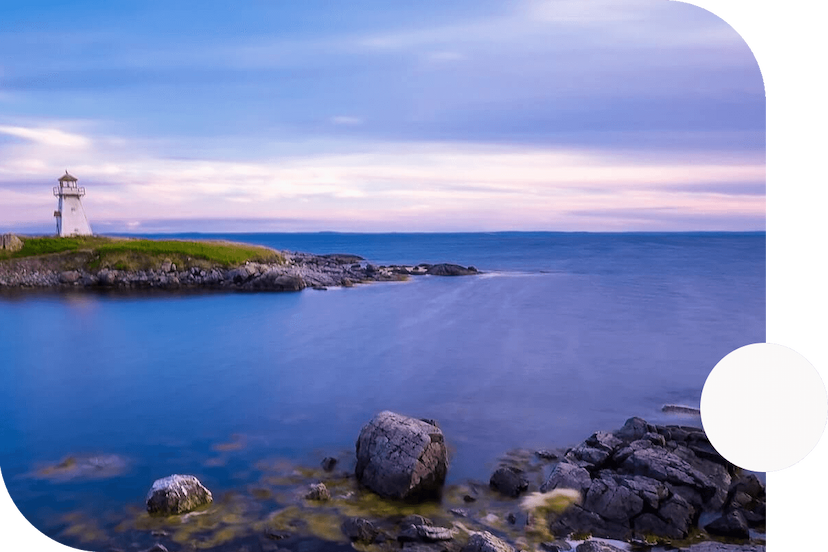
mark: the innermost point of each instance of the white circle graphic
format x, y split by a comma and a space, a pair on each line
764, 407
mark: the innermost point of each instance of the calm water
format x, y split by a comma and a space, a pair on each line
563, 335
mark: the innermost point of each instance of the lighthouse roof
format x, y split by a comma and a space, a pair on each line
67, 178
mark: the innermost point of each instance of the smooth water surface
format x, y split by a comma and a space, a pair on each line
563, 335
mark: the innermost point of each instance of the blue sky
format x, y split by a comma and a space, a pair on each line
602, 115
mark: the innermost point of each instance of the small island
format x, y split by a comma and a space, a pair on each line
115, 263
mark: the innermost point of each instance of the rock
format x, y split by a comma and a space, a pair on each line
10, 242
508, 481
329, 463
722, 547
459, 512
157, 548
612, 501
177, 494
596, 546
425, 533
69, 276
546, 455
106, 277
446, 269
166, 266
732, 525
556, 546
486, 542
634, 429
274, 281
401, 457
576, 519
318, 492
415, 519
567, 476
663, 465
359, 529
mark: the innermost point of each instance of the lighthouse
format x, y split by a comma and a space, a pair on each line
70, 218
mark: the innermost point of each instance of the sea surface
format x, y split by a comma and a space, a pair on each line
561, 335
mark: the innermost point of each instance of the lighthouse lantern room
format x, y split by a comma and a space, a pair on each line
70, 218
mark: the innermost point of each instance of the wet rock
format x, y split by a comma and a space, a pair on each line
556, 546
401, 457
447, 269
576, 519
596, 546
486, 542
156, 548
276, 281
546, 455
177, 494
459, 512
732, 525
359, 529
509, 481
318, 492
425, 533
329, 463
722, 547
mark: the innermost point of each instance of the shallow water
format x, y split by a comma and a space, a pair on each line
563, 335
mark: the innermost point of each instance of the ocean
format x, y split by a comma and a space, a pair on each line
561, 335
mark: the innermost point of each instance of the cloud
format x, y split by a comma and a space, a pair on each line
346, 120
47, 136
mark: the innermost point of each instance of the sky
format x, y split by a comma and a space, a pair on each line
371, 116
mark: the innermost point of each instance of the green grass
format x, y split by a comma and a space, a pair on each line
135, 254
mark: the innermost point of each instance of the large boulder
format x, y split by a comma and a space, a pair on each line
401, 457
10, 242
177, 494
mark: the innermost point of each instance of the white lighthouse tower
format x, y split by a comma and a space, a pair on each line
70, 218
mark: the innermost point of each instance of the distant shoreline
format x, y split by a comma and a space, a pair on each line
104, 263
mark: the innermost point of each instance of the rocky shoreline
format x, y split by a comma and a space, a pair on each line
297, 272
643, 487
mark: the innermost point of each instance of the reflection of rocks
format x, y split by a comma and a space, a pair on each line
177, 494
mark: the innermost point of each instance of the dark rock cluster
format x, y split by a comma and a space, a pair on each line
646, 481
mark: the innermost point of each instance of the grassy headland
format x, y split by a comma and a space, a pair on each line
143, 254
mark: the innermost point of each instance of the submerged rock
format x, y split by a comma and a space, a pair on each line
401, 457
177, 494
359, 530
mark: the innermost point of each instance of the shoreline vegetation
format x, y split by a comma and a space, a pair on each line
643, 487
108, 263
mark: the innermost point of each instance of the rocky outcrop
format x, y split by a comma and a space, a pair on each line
297, 272
446, 269
177, 494
318, 492
401, 457
646, 480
